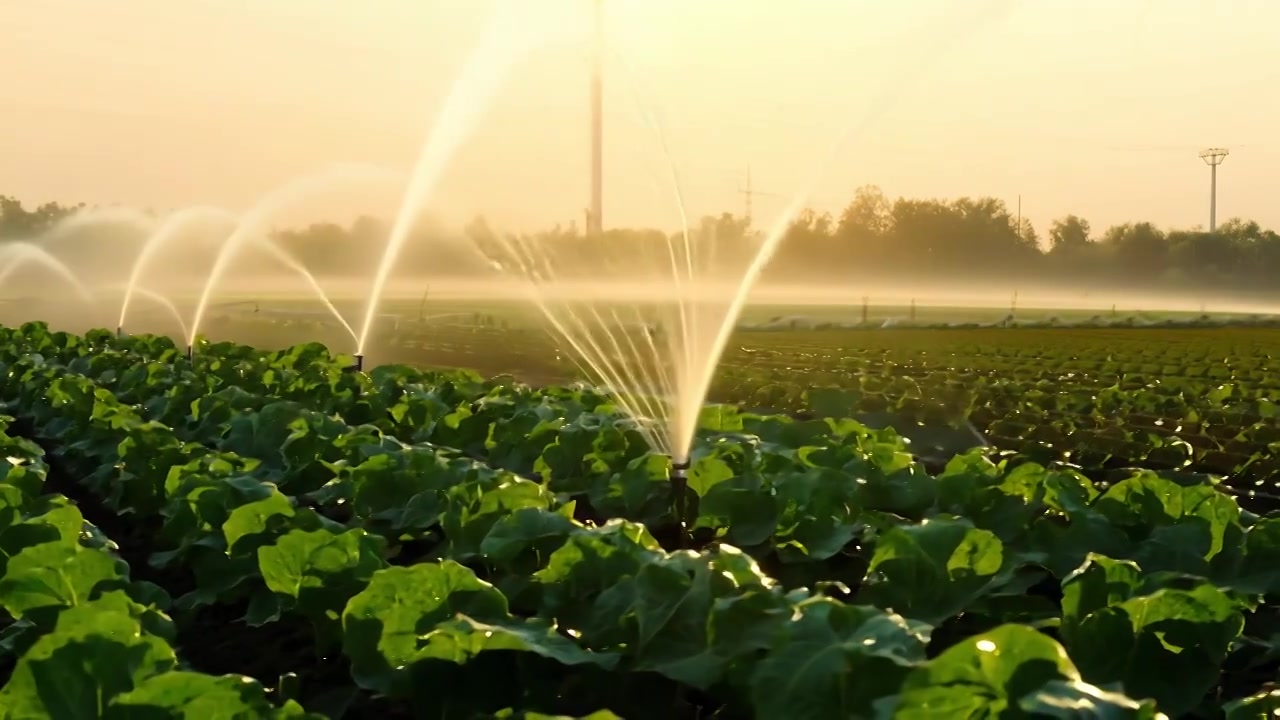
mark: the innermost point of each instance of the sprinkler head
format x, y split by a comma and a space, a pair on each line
190, 353
679, 470
119, 331
357, 367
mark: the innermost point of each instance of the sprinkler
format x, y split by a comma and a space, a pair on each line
679, 483
679, 471
190, 353
119, 332
357, 367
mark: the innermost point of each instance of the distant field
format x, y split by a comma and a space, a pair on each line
1015, 384
526, 314
502, 338
1195, 398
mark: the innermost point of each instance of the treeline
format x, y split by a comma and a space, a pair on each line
943, 237
19, 223
961, 239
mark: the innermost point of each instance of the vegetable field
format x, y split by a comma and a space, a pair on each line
259, 534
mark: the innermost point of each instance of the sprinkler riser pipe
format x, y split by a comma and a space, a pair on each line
679, 479
679, 470
357, 367
190, 353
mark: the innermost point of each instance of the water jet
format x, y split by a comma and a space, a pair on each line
96, 216
697, 289
473, 90
14, 255
163, 234
252, 227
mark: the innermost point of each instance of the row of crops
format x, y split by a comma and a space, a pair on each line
250, 534
1200, 400
82, 625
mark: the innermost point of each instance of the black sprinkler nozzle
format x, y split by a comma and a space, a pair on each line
357, 367
680, 503
190, 353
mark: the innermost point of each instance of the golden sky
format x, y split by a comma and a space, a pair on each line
1096, 107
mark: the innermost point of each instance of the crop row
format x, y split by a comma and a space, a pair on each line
1094, 407
990, 585
82, 637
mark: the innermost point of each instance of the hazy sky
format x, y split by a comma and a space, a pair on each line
1096, 107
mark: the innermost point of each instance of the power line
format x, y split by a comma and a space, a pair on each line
749, 193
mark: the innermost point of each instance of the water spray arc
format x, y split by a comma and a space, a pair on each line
661, 379
172, 226
252, 228
94, 216
996, 9
157, 298
13, 255
659, 370
472, 92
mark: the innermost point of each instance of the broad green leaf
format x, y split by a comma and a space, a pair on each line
462, 638
321, 570
94, 654
26, 478
474, 508
255, 519
1068, 700
985, 675
1260, 569
55, 574
1168, 645
1265, 704
526, 529
49, 519
744, 507
1100, 582
1005, 503
834, 660
820, 512
1194, 529
11, 505
405, 490
639, 491
933, 570
590, 563
512, 715
707, 472
676, 615
383, 623
183, 695
1063, 545
720, 418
